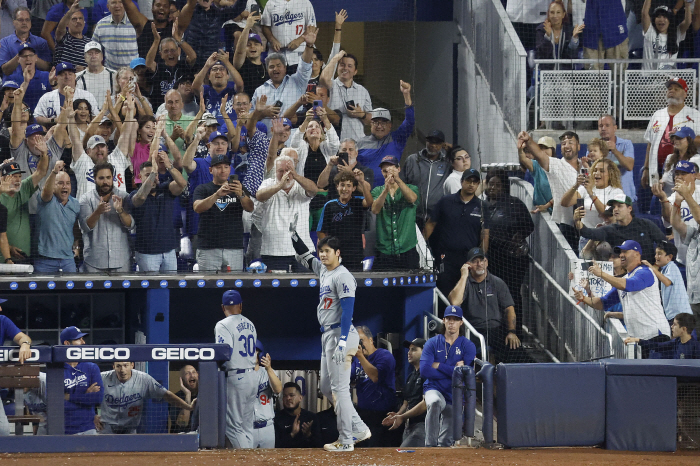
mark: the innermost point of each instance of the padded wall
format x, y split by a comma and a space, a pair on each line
640, 413
551, 405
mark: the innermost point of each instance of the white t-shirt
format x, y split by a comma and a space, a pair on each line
593, 218
86, 178
453, 183
278, 212
562, 176
656, 47
656, 129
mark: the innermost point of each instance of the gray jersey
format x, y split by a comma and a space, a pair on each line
123, 402
239, 333
334, 285
265, 406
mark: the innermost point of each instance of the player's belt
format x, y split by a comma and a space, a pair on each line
325, 328
239, 371
260, 424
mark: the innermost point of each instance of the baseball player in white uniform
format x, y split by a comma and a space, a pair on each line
241, 381
339, 338
283, 24
125, 391
269, 385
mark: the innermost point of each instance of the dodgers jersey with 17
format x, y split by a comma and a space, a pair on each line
334, 285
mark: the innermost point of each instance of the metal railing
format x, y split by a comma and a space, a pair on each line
584, 95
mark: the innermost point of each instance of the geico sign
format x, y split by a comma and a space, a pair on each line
12, 355
189, 354
102, 354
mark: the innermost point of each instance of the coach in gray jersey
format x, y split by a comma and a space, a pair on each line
125, 391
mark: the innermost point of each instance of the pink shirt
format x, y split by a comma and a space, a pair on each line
141, 154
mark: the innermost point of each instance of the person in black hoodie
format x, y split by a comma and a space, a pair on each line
296, 427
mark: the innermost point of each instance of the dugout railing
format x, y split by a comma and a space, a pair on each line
211, 398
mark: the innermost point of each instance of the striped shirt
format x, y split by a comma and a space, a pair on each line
70, 50
118, 40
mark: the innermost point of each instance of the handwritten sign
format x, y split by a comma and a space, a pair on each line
599, 287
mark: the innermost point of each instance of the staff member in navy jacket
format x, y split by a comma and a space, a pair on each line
441, 355
83, 388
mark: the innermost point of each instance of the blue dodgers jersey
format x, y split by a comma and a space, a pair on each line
437, 350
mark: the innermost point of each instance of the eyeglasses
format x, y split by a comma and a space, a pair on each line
380, 122
26, 110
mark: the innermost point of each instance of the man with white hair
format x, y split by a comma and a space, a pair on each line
285, 199
49, 106
96, 79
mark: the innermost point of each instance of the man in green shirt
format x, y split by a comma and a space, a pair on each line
15, 195
176, 122
395, 207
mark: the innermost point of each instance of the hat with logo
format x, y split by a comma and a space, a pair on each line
628, 245
231, 298
71, 333
163, 148
454, 311
26, 46
664, 11
547, 141
11, 169
378, 113
471, 173
621, 198
219, 159
684, 132
390, 159
685, 166
415, 342
436, 136
208, 119
95, 140
136, 62
105, 119
678, 81
287, 122
255, 37
217, 134
10, 84
34, 129
64, 66
474, 253
92, 45
259, 347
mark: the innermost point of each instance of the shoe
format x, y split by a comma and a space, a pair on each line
358, 437
337, 446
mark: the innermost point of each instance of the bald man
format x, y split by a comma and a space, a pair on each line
176, 121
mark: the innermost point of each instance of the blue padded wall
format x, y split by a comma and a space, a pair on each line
640, 413
551, 405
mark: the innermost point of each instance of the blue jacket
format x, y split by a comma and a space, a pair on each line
80, 409
605, 18
371, 151
437, 350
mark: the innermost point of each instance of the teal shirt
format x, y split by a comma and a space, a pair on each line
542, 193
55, 223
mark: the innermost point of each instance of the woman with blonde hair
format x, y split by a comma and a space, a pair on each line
602, 184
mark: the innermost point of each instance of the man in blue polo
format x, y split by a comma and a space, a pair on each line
83, 388
11, 45
27, 71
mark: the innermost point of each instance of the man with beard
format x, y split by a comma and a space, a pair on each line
184, 420
295, 427
285, 201
220, 203
662, 125
14, 195
152, 207
562, 174
105, 225
148, 31
428, 169
57, 212
97, 152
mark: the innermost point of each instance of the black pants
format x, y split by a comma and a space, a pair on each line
381, 436
571, 234
409, 260
513, 270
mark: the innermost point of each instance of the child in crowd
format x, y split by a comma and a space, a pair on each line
673, 292
683, 346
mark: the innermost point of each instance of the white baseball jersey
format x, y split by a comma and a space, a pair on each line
239, 333
122, 405
656, 130
288, 20
49, 105
334, 285
85, 177
265, 407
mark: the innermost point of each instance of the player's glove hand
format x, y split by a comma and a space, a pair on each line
303, 255
339, 353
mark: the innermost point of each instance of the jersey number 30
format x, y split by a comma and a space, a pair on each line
248, 345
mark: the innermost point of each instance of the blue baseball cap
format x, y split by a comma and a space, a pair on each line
287, 122
163, 148
454, 311
10, 84
219, 159
64, 66
217, 134
34, 129
628, 245
259, 346
231, 298
389, 159
684, 132
255, 37
71, 333
685, 166
137, 62
26, 46
471, 173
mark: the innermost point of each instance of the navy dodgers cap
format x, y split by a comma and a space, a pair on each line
231, 298
71, 333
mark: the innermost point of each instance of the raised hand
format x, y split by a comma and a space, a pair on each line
156, 34
310, 35
547, 27
405, 87
578, 30
251, 20
266, 361
340, 18
58, 167
176, 30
